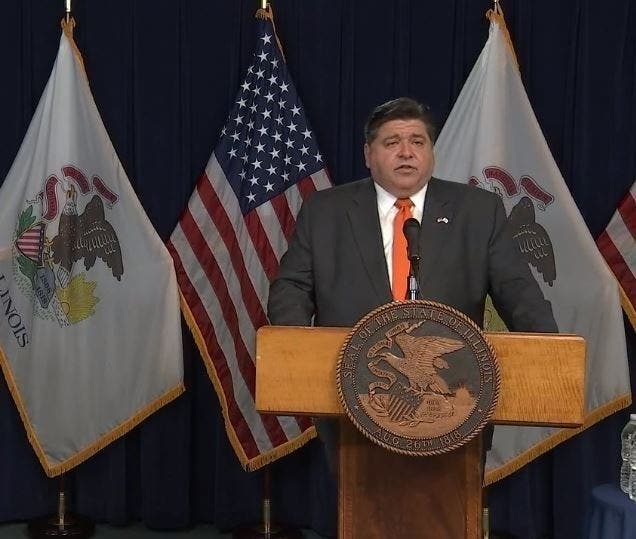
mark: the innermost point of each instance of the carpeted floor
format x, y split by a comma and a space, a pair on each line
137, 531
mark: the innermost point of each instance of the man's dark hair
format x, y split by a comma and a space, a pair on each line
402, 108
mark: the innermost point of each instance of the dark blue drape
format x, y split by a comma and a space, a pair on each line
164, 74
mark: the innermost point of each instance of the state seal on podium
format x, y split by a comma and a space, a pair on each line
417, 377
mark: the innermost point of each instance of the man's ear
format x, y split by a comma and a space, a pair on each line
366, 154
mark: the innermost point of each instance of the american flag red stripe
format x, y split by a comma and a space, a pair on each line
206, 258
229, 241
217, 213
308, 186
619, 266
262, 246
207, 331
285, 217
627, 210
617, 244
274, 233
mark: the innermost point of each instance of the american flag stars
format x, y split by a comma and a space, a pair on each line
266, 143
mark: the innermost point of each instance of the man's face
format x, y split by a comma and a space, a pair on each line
400, 157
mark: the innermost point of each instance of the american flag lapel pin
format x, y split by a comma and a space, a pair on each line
442, 220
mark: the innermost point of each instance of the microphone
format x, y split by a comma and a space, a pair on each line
411, 231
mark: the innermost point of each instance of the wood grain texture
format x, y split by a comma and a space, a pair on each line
542, 375
385, 495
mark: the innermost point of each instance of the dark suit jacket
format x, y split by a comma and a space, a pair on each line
335, 267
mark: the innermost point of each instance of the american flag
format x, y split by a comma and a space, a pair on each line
617, 243
229, 241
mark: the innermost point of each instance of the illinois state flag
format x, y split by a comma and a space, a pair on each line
230, 238
492, 139
90, 335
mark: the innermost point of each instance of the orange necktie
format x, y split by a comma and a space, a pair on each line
401, 265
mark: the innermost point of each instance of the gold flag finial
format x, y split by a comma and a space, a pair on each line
67, 9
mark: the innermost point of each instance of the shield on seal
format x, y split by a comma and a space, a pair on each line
418, 378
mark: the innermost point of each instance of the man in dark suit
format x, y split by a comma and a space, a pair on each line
338, 265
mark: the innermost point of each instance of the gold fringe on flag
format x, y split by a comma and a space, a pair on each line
628, 307
87, 452
268, 13
68, 25
497, 15
551, 442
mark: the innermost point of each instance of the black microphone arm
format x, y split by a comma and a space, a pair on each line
411, 231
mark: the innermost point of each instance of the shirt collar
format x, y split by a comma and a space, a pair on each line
386, 200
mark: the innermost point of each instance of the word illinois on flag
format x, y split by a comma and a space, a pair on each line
617, 244
232, 234
492, 139
90, 335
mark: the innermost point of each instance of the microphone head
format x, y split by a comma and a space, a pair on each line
411, 225
411, 230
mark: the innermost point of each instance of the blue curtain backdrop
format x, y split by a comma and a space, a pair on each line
164, 74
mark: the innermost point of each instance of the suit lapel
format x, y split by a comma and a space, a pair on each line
365, 228
437, 222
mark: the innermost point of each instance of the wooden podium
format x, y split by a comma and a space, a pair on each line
383, 495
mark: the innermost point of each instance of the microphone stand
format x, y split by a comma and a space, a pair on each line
411, 230
412, 286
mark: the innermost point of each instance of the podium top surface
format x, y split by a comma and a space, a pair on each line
542, 375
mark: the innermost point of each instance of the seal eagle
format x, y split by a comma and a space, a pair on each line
87, 236
422, 356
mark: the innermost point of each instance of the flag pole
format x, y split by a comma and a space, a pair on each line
266, 528
63, 524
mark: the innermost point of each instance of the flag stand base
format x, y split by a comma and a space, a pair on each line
63, 524
72, 526
260, 531
266, 529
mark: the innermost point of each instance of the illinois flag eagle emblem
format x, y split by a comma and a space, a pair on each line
90, 329
56, 245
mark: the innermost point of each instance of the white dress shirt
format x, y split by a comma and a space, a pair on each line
387, 211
